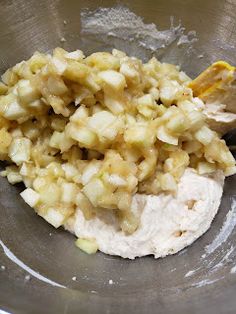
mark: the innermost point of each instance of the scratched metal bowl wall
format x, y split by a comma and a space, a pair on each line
37, 263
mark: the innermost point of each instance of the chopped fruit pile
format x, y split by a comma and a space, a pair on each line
90, 132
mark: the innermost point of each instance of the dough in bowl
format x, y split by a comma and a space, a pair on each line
117, 151
168, 224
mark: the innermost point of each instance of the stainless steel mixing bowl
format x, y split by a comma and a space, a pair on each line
201, 278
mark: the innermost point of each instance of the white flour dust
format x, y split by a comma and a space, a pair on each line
225, 231
225, 259
120, 28
233, 270
216, 257
191, 272
205, 282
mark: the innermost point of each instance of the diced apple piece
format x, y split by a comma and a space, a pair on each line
130, 222
12, 174
89, 246
205, 167
10, 78
218, 151
118, 53
183, 77
75, 71
69, 191
101, 120
10, 108
14, 177
75, 55
155, 93
187, 106
229, 171
60, 141
103, 61
27, 169
59, 64
56, 86
111, 132
50, 194
196, 120
70, 171
92, 81
55, 169
147, 167
30, 197
26, 92
105, 124
130, 72
117, 180
192, 146
94, 190
113, 79
15, 111
22, 69
124, 200
85, 136
90, 171
54, 217
139, 135
168, 91
177, 124
19, 150
37, 61
81, 114
113, 104
17, 132
147, 106
168, 183
84, 205
81, 93
205, 135
164, 136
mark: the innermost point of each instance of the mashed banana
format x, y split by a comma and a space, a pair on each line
89, 133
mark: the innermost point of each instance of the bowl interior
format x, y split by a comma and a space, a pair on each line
199, 277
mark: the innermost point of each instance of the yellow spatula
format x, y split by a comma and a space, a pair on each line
217, 84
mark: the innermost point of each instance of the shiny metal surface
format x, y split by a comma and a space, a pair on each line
141, 286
